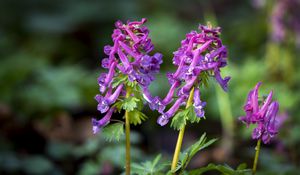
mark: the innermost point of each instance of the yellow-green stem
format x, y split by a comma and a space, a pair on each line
180, 135
257, 149
127, 133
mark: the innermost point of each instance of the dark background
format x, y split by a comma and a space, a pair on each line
50, 55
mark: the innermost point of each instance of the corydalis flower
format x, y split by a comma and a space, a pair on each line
200, 53
264, 115
128, 56
285, 19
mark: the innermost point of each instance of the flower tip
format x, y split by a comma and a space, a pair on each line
258, 85
95, 124
96, 129
144, 20
162, 120
118, 24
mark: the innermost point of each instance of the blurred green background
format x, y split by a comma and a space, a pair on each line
50, 58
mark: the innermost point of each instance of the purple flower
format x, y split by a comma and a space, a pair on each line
129, 56
285, 21
164, 118
223, 82
200, 52
104, 102
264, 115
98, 124
198, 104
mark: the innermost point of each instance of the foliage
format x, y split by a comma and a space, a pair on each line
181, 117
136, 117
191, 151
222, 169
113, 132
154, 167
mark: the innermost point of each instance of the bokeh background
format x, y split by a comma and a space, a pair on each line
51, 52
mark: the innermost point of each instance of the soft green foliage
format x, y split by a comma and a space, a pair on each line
113, 132
37, 165
130, 103
119, 80
222, 169
190, 152
181, 118
136, 117
154, 167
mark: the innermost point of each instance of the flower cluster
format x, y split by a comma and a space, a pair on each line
200, 54
263, 115
128, 56
284, 20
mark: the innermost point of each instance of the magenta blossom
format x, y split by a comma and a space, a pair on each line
264, 115
128, 56
200, 53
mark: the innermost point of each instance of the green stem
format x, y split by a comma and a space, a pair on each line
180, 135
127, 133
257, 149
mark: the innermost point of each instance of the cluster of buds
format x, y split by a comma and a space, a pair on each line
263, 115
200, 53
129, 56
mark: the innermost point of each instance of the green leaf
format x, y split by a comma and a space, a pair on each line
136, 117
113, 132
118, 80
191, 115
223, 169
179, 120
190, 152
118, 105
149, 167
242, 166
130, 103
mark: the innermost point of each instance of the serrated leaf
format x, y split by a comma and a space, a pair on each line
130, 103
137, 93
118, 105
113, 132
179, 120
136, 117
149, 167
191, 115
119, 80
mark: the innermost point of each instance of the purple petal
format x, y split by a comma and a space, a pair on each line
168, 99
223, 82
98, 124
163, 120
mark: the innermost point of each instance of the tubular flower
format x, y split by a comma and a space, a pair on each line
128, 56
201, 54
264, 115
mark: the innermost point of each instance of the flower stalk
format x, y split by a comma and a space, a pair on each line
180, 135
257, 149
127, 134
